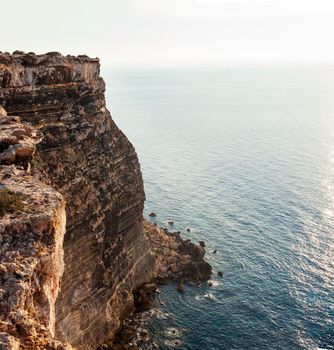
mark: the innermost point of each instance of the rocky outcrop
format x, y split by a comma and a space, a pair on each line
17, 141
71, 151
178, 260
32, 228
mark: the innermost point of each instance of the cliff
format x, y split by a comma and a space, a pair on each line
32, 228
64, 287
85, 157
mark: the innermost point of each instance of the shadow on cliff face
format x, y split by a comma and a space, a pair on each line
180, 262
79, 152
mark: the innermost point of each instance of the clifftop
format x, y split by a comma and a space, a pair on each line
25, 69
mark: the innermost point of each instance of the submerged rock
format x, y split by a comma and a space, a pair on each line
173, 343
209, 297
181, 288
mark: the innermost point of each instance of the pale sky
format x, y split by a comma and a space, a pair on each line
173, 32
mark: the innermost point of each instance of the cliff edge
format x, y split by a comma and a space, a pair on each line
70, 286
88, 160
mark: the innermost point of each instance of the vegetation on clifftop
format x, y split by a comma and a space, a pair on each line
10, 202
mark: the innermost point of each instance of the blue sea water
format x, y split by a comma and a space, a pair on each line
244, 156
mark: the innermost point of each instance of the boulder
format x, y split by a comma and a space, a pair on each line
197, 253
173, 268
163, 270
181, 288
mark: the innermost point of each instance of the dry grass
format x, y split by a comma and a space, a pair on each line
10, 202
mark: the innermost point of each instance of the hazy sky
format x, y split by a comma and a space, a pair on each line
172, 32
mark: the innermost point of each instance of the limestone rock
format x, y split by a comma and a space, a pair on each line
31, 263
177, 259
85, 157
3, 113
65, 147
17, 141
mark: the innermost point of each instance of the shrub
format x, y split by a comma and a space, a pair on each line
10, 202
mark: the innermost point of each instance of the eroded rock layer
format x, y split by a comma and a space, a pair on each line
64, 288
91, 163
32, 228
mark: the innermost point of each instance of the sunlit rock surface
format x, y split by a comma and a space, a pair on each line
72, 286
91, 163
32, 228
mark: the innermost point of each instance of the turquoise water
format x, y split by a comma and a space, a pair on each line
245, 158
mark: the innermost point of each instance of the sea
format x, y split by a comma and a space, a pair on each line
243, 156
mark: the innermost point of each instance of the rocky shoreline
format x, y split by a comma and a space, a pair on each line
180, 262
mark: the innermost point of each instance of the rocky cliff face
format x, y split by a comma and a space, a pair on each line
69, 287
85, 157
32, 228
